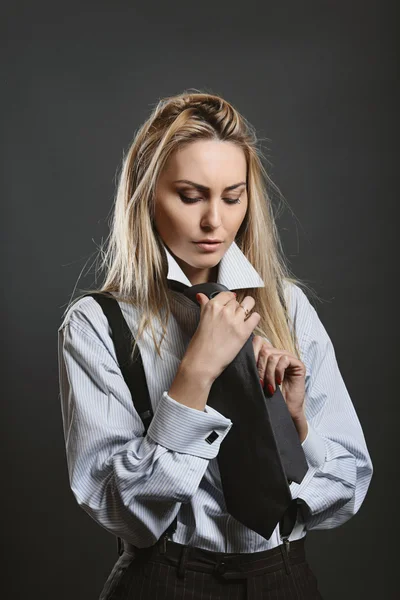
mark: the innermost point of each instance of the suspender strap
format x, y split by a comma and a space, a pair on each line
132, 370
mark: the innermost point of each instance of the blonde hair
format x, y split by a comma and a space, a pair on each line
134, 262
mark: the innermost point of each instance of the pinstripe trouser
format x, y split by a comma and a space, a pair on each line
185, 573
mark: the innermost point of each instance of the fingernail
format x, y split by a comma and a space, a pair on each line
262, 382
198, 297
278, 380
271, 389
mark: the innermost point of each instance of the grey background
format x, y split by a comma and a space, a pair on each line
318, 81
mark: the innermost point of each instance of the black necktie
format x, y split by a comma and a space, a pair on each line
262, 450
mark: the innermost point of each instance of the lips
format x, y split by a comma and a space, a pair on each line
208, 247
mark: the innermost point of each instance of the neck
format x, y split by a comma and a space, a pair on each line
211, 275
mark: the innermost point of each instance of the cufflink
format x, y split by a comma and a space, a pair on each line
212, 437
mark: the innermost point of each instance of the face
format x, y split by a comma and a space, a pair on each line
210, 203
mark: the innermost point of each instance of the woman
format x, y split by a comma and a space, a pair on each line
194, 172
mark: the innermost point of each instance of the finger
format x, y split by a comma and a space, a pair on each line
281, 366
257, 342
261, 356
252, 322
226, 300
267, 342
247, 303
202, 299
270, 369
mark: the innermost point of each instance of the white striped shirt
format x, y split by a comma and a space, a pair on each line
134, 486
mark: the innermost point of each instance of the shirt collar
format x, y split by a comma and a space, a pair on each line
235, 270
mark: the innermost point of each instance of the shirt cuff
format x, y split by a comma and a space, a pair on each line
188, 430
314, 448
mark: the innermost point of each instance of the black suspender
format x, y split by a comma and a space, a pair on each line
133, 372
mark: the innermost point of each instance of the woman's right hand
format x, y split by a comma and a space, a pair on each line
221, 333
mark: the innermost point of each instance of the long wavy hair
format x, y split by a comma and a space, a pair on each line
134, 263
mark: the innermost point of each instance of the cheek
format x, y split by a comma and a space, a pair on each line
241, 218
171, 222
235, 221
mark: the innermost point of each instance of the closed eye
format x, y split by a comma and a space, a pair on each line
194, 200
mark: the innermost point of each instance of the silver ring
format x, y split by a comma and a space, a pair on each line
246, 310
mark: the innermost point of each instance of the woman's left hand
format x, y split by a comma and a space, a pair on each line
281, 367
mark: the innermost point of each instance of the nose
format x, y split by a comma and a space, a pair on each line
212, 214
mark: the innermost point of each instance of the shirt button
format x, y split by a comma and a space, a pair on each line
221, 568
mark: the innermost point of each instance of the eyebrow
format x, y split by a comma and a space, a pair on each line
204, 188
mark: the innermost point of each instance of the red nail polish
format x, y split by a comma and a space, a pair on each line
271, 389
278, 380
262, 382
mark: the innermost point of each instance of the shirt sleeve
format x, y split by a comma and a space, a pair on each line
132, 485
339, 465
